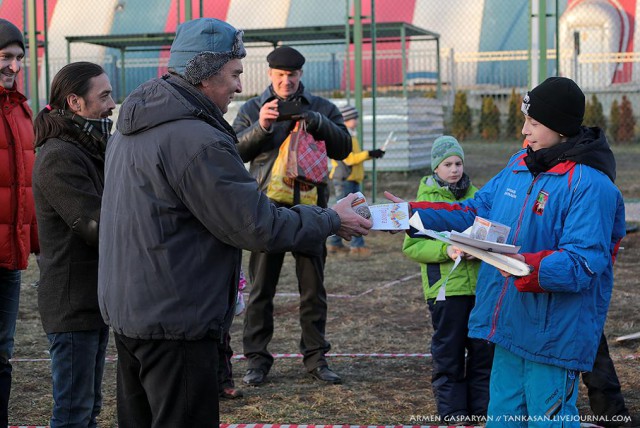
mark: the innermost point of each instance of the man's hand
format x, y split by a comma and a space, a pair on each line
351, 223
268, 113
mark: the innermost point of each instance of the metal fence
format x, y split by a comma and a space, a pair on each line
484, 46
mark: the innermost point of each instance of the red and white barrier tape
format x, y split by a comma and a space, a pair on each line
335, 426
332, 355
321, 426
300, 426
351, 355
583, 425
242, 357
368, 291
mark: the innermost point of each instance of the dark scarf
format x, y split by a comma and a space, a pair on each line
543, 160
458, 189
92, 134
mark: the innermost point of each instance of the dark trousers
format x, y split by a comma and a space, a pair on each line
460, 385
225, 370
167, 383
264, 272
603, 386
9, 303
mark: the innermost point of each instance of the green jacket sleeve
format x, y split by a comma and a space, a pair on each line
425, 250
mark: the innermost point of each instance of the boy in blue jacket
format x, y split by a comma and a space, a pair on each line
559, 198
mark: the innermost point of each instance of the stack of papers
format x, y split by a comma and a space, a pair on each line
494, 247
492, 253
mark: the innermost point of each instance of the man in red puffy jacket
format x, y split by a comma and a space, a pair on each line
18, 233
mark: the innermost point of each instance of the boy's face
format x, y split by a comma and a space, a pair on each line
450, 169
538, 135
351, 123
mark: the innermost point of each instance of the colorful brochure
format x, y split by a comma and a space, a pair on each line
394, 216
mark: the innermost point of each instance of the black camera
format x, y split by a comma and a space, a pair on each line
287, 110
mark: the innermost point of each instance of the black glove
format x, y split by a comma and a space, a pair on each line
311, 117
376, 154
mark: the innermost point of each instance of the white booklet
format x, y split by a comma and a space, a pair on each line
494, 247
503, 262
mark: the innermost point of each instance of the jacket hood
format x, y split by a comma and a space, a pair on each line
592, 149
167, 99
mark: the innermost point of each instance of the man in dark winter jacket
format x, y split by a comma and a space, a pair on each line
177, 210
68, 178
261, 132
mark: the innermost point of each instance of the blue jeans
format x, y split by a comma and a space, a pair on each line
77, 365
9, 302
343, 188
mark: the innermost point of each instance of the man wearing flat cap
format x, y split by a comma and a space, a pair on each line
178, 206
260, 135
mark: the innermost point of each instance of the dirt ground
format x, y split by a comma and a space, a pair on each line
375, 307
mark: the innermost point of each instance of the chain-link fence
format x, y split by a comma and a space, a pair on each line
483, 47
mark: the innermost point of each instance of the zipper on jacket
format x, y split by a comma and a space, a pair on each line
231, 313
524, 205
496, 310
15, 225
531, 186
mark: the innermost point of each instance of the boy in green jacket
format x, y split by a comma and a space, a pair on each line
461, 387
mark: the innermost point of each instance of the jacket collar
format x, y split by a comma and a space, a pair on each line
204, 108
519, 165
11, 94
268, 95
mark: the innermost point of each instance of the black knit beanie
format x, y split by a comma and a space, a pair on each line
9, 34
557, 103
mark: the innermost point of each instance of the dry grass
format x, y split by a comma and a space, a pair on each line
385, 314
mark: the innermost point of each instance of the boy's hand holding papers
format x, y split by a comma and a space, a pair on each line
508, 264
